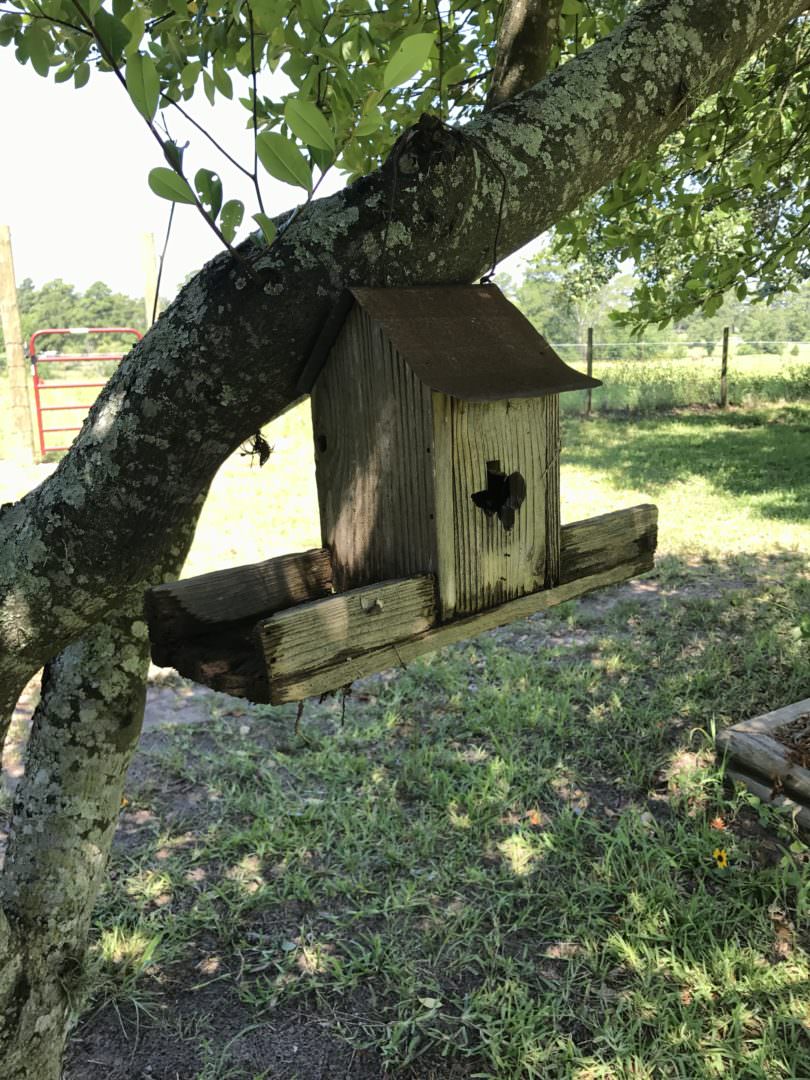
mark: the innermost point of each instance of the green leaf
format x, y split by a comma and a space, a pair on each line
209, 188
231, 218
410, 57
267, 225
81, 75
168, 185
143, 84
111, 33
208, 87
742, 94
306, 120
312, 10
222, 80
135, 22
191, 73
39, 51
283, 160
369, 123
173, 154
573, 7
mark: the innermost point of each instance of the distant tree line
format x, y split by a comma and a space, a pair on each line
563, 300
58, 304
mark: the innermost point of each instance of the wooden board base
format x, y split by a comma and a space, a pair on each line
273, 632
306, 683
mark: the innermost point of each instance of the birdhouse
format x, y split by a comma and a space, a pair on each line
435, 419
435, 415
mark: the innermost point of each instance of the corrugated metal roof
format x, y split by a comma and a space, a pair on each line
467, 341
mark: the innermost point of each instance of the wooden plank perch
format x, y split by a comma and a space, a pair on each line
272, 632
600, 543
324, 643
294, 686
213, 602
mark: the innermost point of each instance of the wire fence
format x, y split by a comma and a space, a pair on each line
646, 375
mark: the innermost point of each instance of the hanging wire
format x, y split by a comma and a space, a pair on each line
161, 261
484, 150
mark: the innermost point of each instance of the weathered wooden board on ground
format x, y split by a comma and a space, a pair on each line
759, 756
799, 810
311, 646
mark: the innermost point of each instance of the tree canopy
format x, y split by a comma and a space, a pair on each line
564, 297
58, 304
718, 205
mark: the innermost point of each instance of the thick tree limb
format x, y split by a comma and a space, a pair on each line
226, 355
84, 732
527, 33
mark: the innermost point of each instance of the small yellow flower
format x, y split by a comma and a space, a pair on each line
720, 857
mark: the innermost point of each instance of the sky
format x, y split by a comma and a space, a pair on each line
73, 186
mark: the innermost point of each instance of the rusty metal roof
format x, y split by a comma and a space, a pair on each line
467, 341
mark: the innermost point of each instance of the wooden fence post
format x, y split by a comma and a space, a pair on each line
19, 443
150, 278
589, 357
724, 372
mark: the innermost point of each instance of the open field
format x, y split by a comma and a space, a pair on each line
642, 385
668, 383
499, 862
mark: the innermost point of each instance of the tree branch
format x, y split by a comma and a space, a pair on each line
527, 33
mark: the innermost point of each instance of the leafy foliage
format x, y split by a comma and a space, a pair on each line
722, 205
360, 72
564, 298
719, 207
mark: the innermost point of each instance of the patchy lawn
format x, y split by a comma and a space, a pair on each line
514, 859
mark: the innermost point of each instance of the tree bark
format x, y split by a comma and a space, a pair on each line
65, 812
527, 33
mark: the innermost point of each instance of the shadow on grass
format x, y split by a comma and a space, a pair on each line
501, 866
762, 456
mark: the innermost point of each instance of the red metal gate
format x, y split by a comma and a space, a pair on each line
44, 387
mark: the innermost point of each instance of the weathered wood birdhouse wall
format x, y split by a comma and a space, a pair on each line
436, 424
435, 415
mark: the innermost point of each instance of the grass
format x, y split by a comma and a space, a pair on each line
499, 862
675, 383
